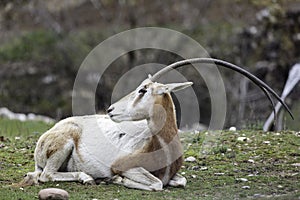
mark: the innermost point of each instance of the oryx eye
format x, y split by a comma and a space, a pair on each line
142, 91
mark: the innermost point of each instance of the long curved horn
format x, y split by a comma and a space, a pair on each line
265, 88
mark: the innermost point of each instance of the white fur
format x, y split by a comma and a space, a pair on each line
85, 147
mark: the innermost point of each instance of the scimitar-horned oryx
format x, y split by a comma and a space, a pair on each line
145, 154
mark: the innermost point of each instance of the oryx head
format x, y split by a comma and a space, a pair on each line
140, 103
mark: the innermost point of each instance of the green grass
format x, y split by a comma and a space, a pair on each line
16, 128
265, 160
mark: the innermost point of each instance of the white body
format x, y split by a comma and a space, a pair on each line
141, 151
102, 141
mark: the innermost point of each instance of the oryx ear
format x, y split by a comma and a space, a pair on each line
172, 87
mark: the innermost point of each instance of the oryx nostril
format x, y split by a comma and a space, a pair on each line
110, 109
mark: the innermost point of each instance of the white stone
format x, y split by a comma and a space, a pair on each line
219, 174
296, 164
190, 159
242, 179
246, 187
53, 193
203, 168
242, 139
232, 128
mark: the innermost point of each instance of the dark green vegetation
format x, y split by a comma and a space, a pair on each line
261, 166
43, 43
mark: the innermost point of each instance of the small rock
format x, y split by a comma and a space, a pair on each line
258, 195
242, 179
194, 176
182, 173
294, 174
251, 161
296, 164
279, 186
190, 159
267, 142
232, 128
219, 174
243, 139
17, 138
53, 193
203, 168
246, 187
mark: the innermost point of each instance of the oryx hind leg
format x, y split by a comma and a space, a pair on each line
139, 178
54, 164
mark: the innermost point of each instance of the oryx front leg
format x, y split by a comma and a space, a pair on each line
178, 181
139, 178
70, 176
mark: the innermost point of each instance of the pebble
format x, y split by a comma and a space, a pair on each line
195, 168
243, 139
219, 174
296, 164
242, 179
53, 193
232, 128
203, 168
190, 159
246, 187
251, 161
258, 195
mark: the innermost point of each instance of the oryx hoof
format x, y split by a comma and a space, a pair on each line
89, 182
157, 186
117, 179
